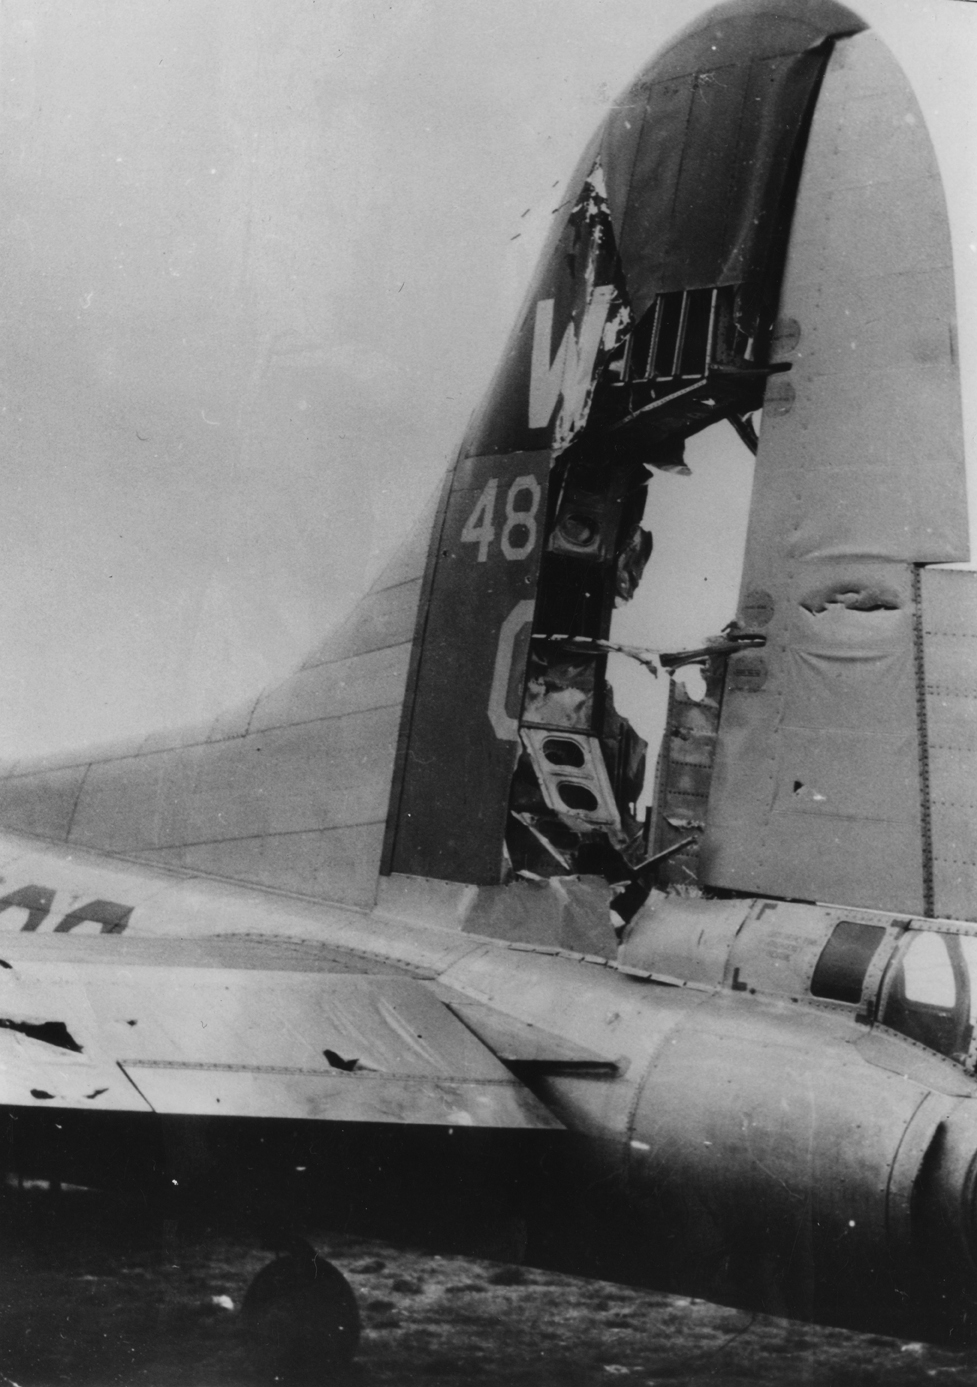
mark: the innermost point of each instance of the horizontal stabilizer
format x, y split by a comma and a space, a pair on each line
244, 1043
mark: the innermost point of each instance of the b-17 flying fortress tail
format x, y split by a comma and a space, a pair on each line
436, 881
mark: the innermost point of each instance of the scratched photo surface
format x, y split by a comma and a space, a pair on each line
260, 263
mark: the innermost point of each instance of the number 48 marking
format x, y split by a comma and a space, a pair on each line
480, 528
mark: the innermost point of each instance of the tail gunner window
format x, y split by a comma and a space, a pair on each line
932, 995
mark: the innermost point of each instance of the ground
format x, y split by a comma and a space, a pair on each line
96, 1301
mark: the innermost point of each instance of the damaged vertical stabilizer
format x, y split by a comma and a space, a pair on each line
820, 790
650, 318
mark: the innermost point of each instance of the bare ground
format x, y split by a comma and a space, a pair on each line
88, 1303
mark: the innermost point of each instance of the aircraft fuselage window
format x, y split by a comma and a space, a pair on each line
930, 997
841, 969
928, 973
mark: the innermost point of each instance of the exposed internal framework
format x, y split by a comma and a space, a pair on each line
759, 224
652, 316
685, 363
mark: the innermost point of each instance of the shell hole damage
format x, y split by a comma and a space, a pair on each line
340, 1062
853, 597
54, 1033
694, 358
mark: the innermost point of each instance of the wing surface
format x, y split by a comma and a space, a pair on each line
247, 1042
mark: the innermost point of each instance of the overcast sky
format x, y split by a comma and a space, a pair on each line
259, 258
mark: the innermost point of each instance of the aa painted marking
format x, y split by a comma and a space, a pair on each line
38, 901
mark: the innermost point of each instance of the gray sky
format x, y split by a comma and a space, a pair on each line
259, 258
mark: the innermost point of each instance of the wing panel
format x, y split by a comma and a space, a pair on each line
36, 1074
393, 1026
427, 1101
249, 1043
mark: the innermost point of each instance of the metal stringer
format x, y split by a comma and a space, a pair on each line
925, 802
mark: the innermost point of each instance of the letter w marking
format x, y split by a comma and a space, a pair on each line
570, 372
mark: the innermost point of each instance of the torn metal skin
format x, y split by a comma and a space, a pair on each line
649, 383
